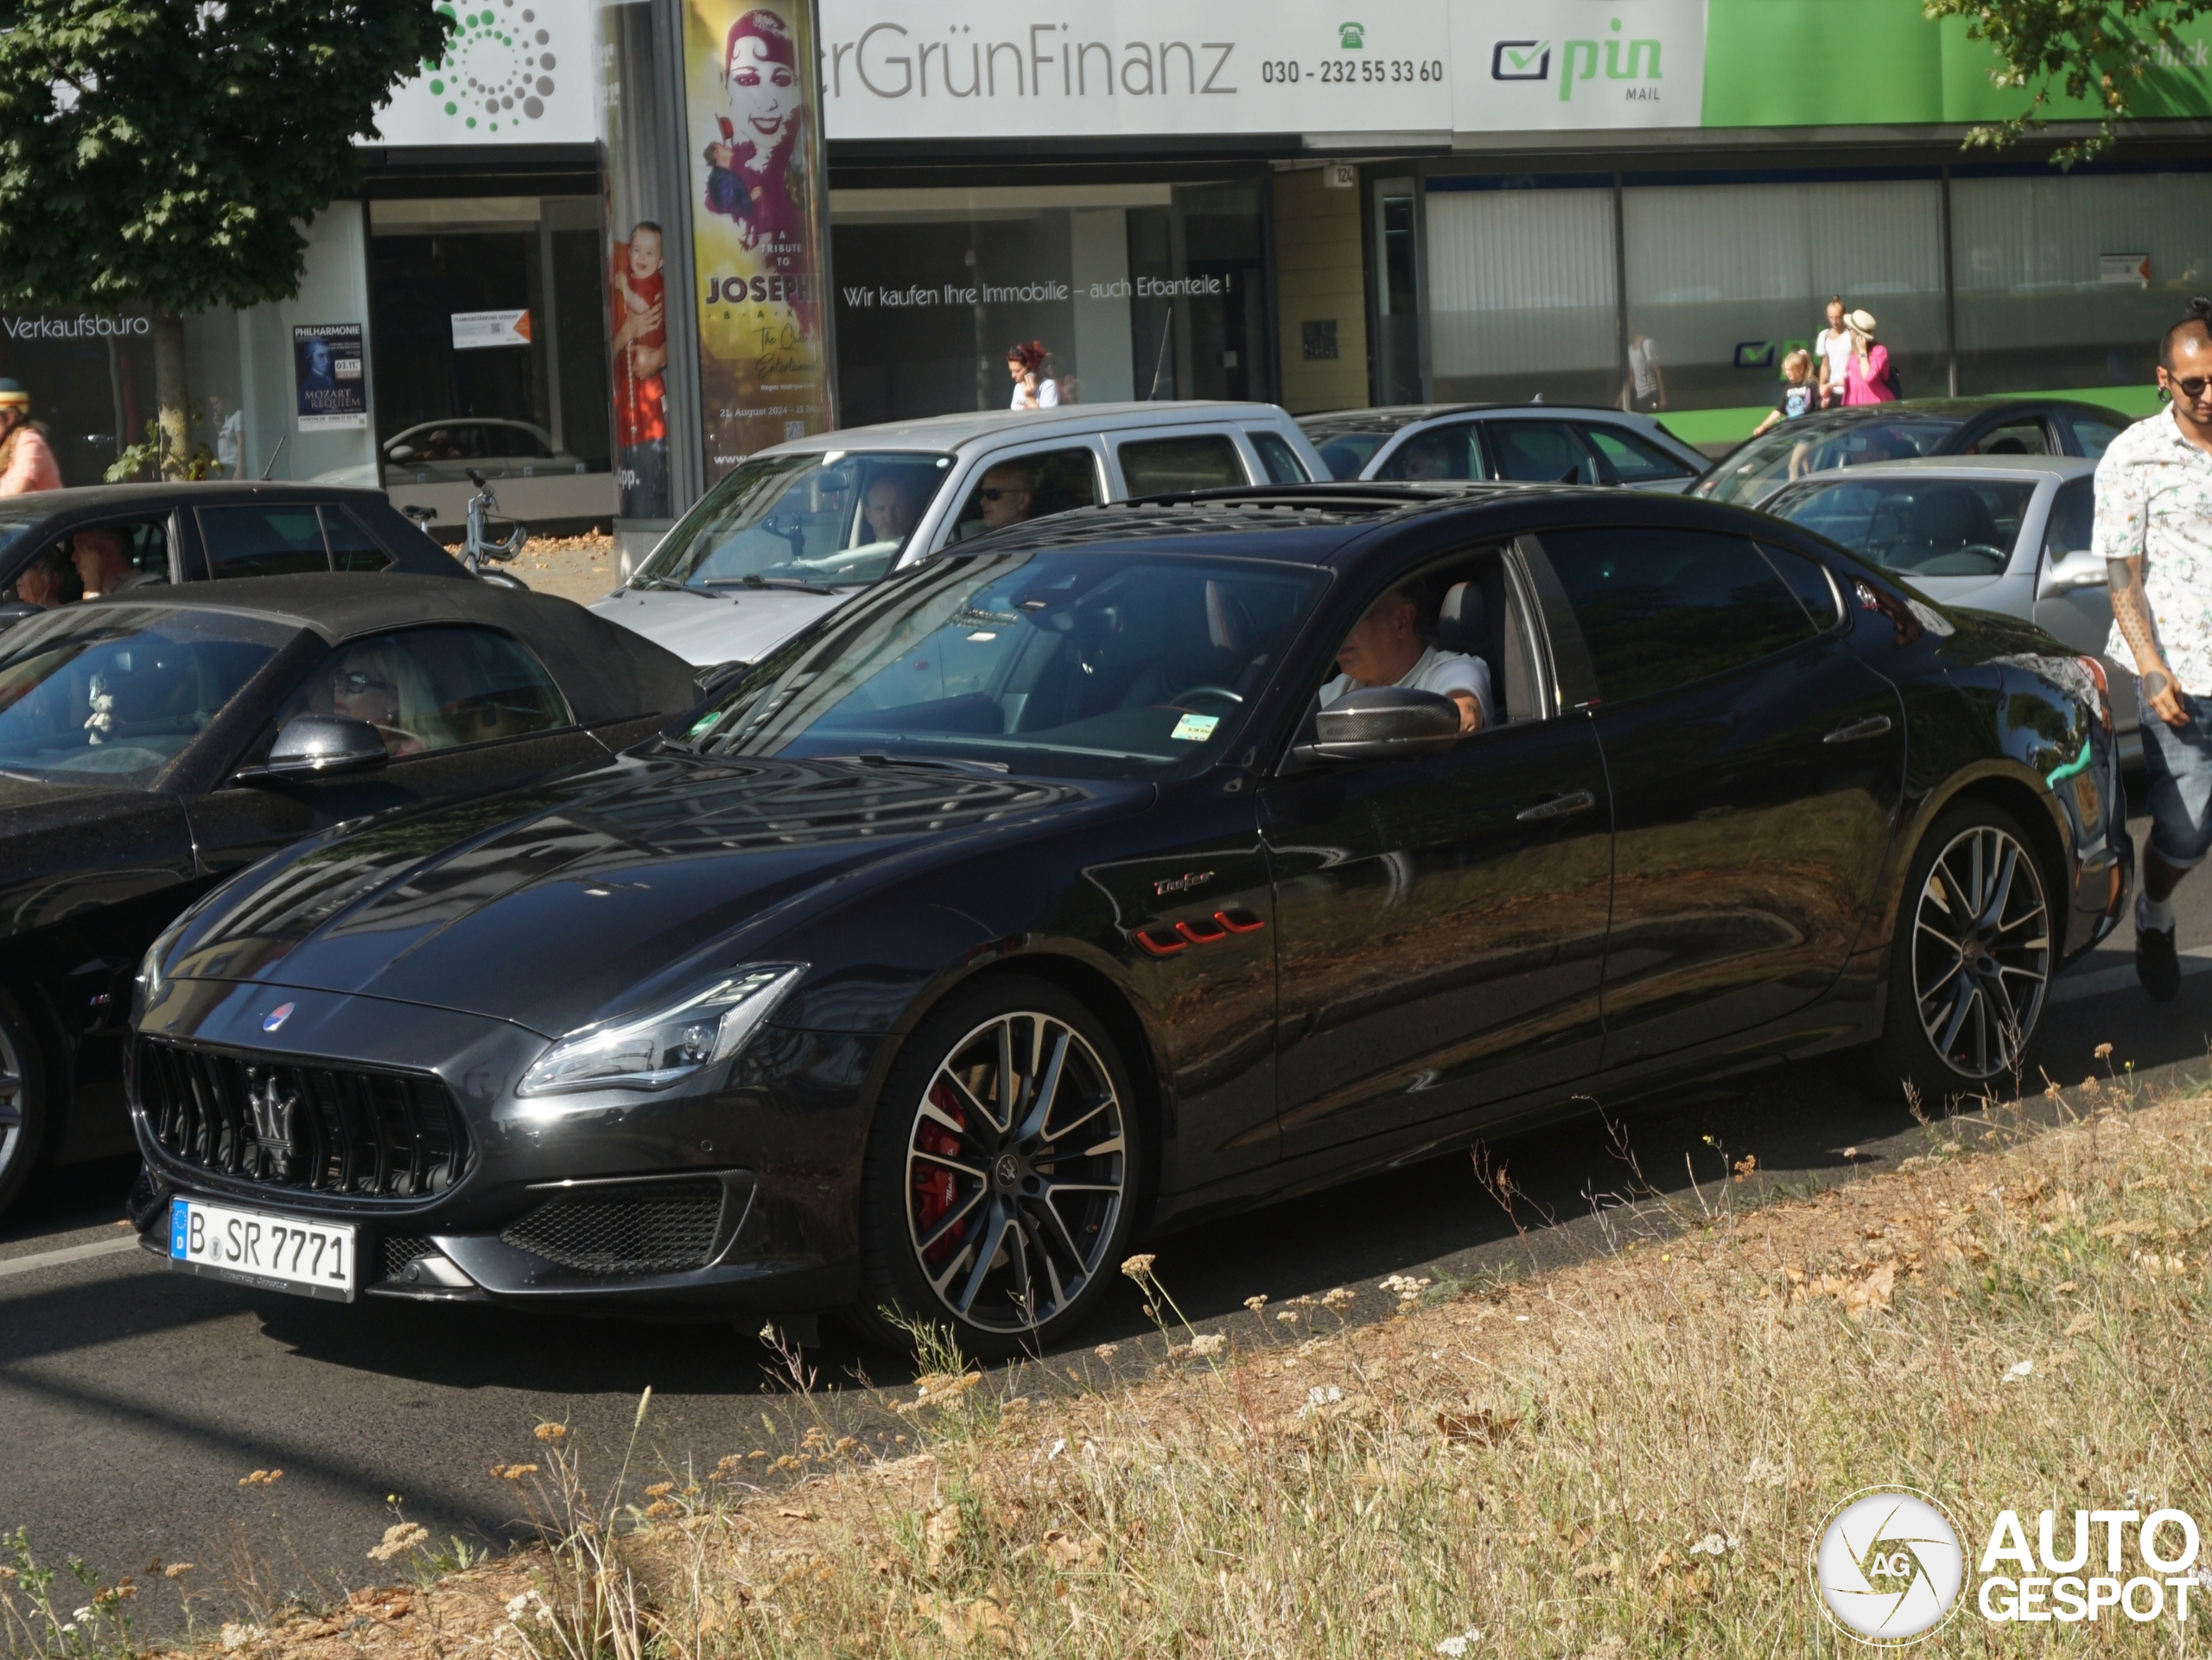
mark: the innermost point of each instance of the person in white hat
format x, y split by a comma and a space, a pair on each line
26, 459
1866, 378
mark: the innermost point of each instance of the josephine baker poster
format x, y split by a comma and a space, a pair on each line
756, 214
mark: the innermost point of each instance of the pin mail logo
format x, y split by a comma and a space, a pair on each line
1631, 60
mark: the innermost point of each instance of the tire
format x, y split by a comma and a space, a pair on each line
1970, 967
957, 1165
24, 1107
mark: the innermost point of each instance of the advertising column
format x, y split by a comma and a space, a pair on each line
759, 212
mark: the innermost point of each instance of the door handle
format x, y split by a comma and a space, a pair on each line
1558, 807
1872, 727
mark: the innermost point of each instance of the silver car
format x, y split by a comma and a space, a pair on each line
2003, 533
1544, 444
794, 530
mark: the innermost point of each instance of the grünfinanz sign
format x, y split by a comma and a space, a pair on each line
971, 68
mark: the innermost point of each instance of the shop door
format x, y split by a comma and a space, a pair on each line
1228, 326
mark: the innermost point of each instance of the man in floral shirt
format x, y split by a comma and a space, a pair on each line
2154, 529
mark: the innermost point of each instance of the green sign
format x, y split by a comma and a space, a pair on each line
1796, 63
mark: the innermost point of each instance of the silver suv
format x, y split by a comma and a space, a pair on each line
795, 530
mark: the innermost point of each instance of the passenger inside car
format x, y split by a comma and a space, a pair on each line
1395, 644
49, 580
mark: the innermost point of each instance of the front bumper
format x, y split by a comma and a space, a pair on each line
740, 1195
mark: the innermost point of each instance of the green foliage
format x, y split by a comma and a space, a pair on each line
2098, 50
167, 152
150, 460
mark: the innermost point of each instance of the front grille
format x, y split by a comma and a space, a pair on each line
400, 1249
661, 1229
321, 1129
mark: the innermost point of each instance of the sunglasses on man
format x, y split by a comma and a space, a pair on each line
2193, 389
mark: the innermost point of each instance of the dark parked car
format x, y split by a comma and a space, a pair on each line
1540, 443
188, 532
152, 743
1755, 470
1027, 901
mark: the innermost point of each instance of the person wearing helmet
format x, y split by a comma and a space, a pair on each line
26, 459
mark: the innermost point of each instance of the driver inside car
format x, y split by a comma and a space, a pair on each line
1389, 647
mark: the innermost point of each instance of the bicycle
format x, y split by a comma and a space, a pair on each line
477, 546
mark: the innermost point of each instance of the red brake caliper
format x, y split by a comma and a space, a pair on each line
933, 1189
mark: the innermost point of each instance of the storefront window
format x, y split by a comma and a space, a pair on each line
489, 333
1725, 280
1521, 291
91, 378
1146, 292
2070, 280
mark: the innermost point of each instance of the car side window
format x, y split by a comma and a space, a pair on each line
2014, 438
1159, 467
2072, 511
282, 539
351, 547
1808, 581
1277, 459
1634, 458
1450, 451
1028, 486
56, 576
434, 688
1542, 452
1660, 608
2093, 437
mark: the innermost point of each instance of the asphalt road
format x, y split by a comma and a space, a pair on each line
132, 1400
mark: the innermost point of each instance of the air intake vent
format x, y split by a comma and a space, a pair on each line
651, 1228
345, 1130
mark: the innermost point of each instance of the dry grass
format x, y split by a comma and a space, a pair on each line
1629, 1457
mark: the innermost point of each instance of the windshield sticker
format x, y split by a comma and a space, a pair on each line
705, 723
1195, 729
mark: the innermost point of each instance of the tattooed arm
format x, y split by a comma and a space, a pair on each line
2130, 611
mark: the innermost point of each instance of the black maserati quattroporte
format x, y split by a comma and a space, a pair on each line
1049, 893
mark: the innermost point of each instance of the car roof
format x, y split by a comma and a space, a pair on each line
606, 671
1317, 523
141, 498
935, 434
1962, 466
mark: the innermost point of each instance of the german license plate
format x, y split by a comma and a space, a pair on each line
278, 1252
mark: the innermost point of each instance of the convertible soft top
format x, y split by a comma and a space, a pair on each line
608, 672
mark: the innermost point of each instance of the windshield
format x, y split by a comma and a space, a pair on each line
1811, 444
1065, 664
1916, 527
110, 693
835, 519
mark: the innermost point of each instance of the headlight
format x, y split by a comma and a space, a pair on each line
651, 1051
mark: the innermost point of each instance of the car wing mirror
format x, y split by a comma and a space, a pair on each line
2073, 571
1377, 722
317, 745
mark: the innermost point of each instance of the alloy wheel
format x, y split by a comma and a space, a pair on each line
1981, 951
1016, 1172
12, 1105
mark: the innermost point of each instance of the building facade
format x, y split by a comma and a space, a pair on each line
1498, 200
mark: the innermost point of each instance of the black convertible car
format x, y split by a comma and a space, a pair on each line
156, 742
1029, 901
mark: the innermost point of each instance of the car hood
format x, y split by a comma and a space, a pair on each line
705, 630
558, 905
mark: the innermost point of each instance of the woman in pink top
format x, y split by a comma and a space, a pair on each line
26, 459
1866, 376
